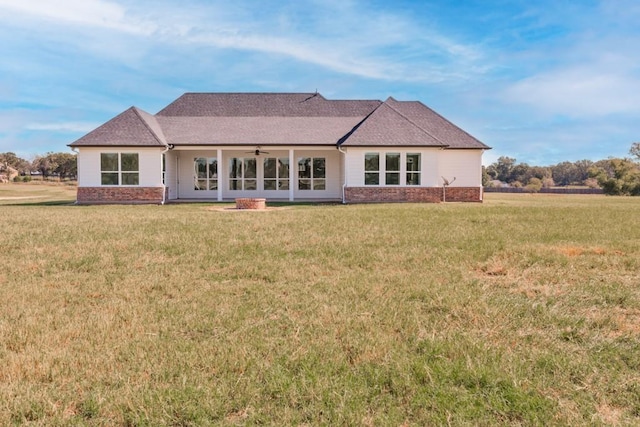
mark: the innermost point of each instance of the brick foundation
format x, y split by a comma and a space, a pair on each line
463, 194
251, 203
411, 194
95, 195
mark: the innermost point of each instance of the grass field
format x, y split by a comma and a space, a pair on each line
53, 193
524, 310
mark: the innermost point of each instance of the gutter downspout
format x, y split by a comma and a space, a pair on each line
163, 161
344, 171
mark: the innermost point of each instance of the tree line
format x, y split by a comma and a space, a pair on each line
63, 165
616, 176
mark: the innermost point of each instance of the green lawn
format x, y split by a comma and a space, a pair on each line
523, 310
37, 193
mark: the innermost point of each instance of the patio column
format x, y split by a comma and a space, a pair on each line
292, 168
220, 179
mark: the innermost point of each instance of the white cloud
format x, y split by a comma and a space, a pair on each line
62, 126
588, 70
94, 13
578, 91
344, 37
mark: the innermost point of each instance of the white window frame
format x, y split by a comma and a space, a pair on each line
382, 171
242, 179
119, 170
279, 180
313, 180
209, 177
417, 171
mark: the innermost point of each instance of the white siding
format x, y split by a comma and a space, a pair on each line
429, 167
150, 165
464, 165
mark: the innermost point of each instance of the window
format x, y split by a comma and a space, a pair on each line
392, 169
371, 169
276, 173
205, 173
312, 173
119, 169
413, 168
242, 174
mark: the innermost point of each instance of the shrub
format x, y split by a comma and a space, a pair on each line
591, 183
618, 177
548, 182
534, 185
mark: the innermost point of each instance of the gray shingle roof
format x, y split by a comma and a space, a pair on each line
387, 127
281, 119
265, 105
133, 127
256, 130
436, 125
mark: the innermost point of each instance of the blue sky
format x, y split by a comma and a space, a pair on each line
544, 81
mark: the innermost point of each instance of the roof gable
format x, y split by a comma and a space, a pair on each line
437, 126
385, 126
133, 127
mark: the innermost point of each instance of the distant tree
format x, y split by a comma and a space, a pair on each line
10, 159
583, 167
635, 150
571, 173
67, 166
486, 178
618, 176
62, 164
519, 172
601, 164
541, 172
46, 164
565, 173
502, 169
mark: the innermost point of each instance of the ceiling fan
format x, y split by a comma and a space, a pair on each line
257, 151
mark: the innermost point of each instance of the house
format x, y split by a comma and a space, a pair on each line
279, 146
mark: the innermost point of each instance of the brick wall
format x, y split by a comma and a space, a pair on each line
411, 194
392, 194
89, 195
251, 203
464, 194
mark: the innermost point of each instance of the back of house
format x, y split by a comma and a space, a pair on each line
281, 147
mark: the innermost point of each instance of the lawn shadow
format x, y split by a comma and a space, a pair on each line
43, 203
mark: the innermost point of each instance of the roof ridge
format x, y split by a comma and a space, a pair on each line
137, 110
355, 128
250, 93
414, 123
